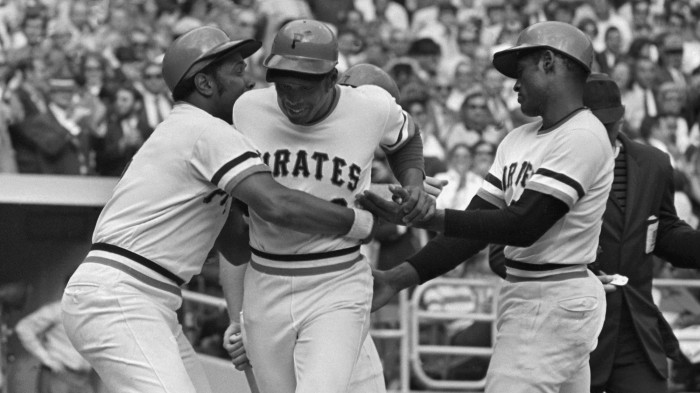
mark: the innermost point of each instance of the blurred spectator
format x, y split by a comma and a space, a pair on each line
10, 112
673, 109
466, 80
605, 15
643, 47
350, 46
55, 135
621, 73
156, 99
496, 98
588, 26
427, 54
462, 182
30, 40
494, 21
62, 368
641, 18
691, 49
127, 129
398, 42
391, 12
477, 123
612, 53
433, 150
670, 60
640, 100
443, 30
484, 154
655, 132
61, 51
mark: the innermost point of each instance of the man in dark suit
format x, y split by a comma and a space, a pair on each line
640, 222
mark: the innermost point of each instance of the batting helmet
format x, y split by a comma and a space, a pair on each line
196, 49
557, 36
305, 46
369, 74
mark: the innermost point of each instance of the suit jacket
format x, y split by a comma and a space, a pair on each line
623, 242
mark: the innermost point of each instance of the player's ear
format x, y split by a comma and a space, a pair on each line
332, 78
547, 60
203, 83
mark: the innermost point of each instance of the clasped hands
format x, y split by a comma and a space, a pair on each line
407, 206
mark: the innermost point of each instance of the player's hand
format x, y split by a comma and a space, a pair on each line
383, 289
233, 344
434, 186
416, 203
385, 209
606, 281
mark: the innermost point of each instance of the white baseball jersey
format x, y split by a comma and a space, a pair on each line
330, 159
572, 162
173, 199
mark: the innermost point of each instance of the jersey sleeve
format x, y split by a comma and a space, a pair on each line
492, 187
224, 156
398, 128
575, 161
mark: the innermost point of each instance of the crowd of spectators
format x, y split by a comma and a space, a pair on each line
81, 87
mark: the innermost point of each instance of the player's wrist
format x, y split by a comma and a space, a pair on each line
362, 225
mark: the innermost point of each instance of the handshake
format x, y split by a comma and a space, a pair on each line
408, 206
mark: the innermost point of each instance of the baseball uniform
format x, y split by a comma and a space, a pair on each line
119, 308
550, 325
307, 297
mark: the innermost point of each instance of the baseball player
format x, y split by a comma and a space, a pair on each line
307, 298
153, 235
544, 198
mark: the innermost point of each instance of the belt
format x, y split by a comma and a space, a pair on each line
555, 277
531, 267
135, 274
138, 259
304, 264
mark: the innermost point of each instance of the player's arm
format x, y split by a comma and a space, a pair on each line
408, 165
464, 234
676, 242
300, 211
32, 328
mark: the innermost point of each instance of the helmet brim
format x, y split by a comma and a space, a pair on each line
506, 61
245, 47
299, 64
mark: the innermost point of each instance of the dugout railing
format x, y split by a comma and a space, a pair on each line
412, 315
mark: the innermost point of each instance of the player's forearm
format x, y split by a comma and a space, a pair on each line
409, 159
402, 276
231, 281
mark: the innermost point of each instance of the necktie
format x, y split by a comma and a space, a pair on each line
619, 186
649, 103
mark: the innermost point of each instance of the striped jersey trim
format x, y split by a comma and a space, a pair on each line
403, 126
564, 179
134, 273
229, 165
306, 264
303, 271
138, 259
496, 182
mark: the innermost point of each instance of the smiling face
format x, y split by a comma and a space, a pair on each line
304, 101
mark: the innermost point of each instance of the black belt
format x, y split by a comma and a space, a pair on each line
554, 277
531, 267
138, 259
